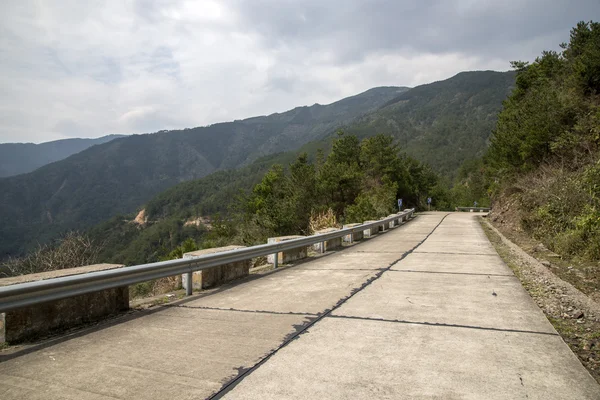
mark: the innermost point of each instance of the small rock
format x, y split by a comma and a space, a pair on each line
170, 296
540, 247
578, 314
581, 321
546, 263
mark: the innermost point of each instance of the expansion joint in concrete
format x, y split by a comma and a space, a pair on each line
452, 273
242, 310
234, 382
457, 254
345, 269
439, 324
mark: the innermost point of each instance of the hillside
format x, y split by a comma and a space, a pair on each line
118, 176
127, 242
443, 123
543, 171
544, 159
278, 195
21, 158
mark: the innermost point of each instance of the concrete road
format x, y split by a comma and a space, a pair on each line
426, 310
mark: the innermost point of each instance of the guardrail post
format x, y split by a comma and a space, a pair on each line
322, 247
275, 260
190, 284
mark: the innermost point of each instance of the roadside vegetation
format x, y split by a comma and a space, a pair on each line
73, 249
543, 164
356, 181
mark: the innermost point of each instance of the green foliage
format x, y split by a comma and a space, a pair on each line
188, 245
340, 177
358, 181
471, 185
583, 55
553, 113
270, 205
443, 123
373, 204
562, 208
545, 149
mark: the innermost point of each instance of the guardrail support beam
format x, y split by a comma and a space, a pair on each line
190, 284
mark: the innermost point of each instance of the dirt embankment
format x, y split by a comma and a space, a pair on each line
141, 218
574, 314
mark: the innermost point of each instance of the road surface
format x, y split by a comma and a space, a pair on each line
426, 310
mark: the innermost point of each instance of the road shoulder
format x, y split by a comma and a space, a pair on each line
575, 316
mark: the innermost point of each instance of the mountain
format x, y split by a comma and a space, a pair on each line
459, 111
443, 123
21, 158
116, 177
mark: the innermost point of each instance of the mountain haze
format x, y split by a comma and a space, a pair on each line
21, 158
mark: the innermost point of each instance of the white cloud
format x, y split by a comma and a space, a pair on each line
87, 69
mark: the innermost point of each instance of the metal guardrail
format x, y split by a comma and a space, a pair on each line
473, 209
32, 293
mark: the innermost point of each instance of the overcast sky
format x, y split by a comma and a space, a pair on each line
90, 68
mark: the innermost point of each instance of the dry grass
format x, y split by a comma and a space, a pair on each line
322, 220
74, 249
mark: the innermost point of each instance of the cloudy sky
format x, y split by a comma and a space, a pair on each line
89, 68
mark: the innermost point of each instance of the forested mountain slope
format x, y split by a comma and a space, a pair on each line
283, 194
443, 123
21, 158
544, 160
118, 176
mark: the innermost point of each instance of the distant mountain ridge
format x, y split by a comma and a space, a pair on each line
118, 176
443, 123
21, 158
